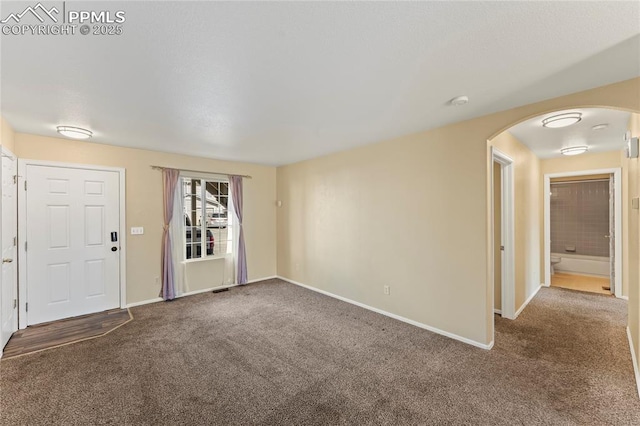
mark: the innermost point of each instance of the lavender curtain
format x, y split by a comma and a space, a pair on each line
236, 194
169, 183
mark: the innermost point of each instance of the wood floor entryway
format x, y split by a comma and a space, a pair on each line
57, 333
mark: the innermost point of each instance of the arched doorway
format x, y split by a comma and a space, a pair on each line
523, 295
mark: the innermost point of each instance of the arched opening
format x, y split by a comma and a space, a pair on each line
538, 165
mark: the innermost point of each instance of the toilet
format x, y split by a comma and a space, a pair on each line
554, 261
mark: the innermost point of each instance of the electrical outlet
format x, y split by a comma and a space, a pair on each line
387, 290
137, 230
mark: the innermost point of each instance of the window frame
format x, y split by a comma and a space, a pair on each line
231, 222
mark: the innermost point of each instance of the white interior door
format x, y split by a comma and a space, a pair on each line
507, 237
73, 265
8, 293
498, 252
612, 235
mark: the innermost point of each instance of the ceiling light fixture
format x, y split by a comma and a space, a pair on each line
600, 126
459, 100
562, 120
574, 150
74, 132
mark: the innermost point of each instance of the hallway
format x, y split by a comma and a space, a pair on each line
573, 347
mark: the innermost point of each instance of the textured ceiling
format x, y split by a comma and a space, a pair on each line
276, 83
547, 142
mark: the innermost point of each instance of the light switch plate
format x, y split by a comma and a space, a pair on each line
633, 148
137, 230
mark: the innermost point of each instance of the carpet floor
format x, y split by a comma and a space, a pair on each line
274, 353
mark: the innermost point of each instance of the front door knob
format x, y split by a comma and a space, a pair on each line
7, 260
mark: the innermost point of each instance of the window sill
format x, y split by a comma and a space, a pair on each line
204, 259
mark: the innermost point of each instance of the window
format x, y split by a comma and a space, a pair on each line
579, 217
207, 212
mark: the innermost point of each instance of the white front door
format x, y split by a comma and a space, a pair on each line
73, 265
8, 293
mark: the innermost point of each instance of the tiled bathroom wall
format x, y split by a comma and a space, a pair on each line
580, 218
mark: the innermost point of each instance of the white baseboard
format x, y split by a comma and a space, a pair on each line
545, 285
144, 302
222, 287
526, 302
262, 279
206, 290
624, 297
634, 360
191, 293
497, 311
394, 316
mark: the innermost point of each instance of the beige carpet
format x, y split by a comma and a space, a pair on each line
274, 353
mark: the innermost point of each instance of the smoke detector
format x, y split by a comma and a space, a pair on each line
459, 100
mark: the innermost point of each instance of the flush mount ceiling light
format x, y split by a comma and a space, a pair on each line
562, 120
459, 100
74, 132
600, 126
574, 150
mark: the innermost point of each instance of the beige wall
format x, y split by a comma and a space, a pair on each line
353, 222
412, 213
576, 163
7, 135
581, 177
527, 218
632, 243
144, 208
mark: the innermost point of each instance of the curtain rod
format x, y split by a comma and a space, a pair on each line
200, 171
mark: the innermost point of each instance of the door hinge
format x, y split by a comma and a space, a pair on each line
26, 307
25, 185
15, 179
15, 241
25, 246
15, 303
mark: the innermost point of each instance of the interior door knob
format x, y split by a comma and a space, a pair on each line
7, 260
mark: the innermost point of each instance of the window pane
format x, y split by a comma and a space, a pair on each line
230, 221
192, 217
216, 218
208, 226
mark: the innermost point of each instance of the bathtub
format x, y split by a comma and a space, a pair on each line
585, 265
